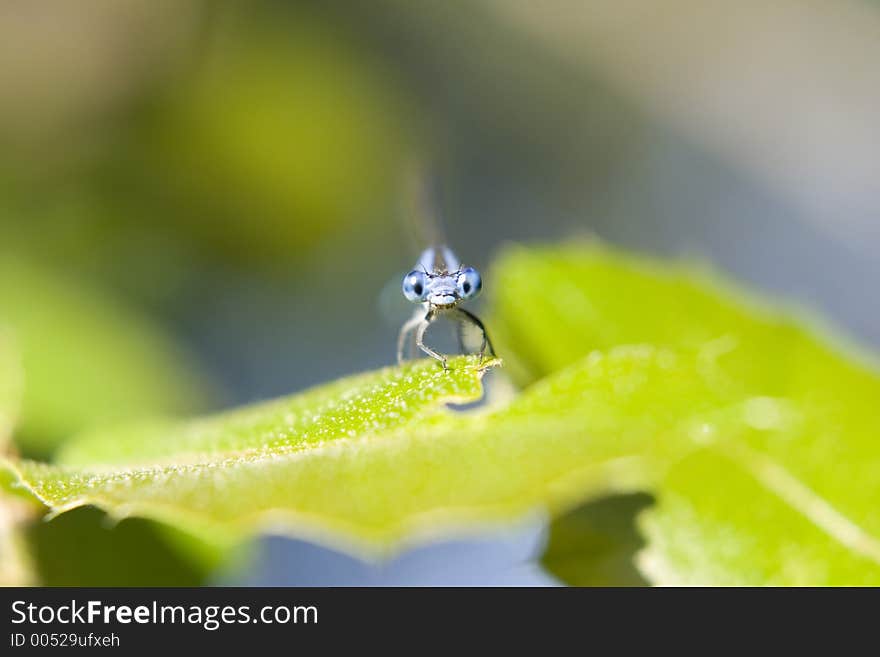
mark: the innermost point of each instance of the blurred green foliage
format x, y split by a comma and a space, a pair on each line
87, 359
259, 135
281, 135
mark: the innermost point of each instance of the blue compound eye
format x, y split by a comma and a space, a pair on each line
469, 283
414, 286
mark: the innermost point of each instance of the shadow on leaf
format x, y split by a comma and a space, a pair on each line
81, 548
596, 544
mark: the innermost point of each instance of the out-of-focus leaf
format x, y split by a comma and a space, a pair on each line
588, 296
795, 420
748, 521
87, 359
596, 544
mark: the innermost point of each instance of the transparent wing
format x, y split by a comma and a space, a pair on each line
472, 336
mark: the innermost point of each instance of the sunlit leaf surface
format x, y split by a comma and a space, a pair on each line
342, 457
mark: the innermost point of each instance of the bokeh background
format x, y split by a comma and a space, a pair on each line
200, 201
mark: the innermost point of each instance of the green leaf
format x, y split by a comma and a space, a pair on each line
792, 429
340, 458
747, 521
369, 462
87, 359
588, 296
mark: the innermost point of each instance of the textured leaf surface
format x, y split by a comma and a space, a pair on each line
377, 459
317, 461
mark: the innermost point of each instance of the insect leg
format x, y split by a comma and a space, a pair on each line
420, 335
405, 332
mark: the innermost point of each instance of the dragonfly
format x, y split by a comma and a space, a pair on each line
439, 284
